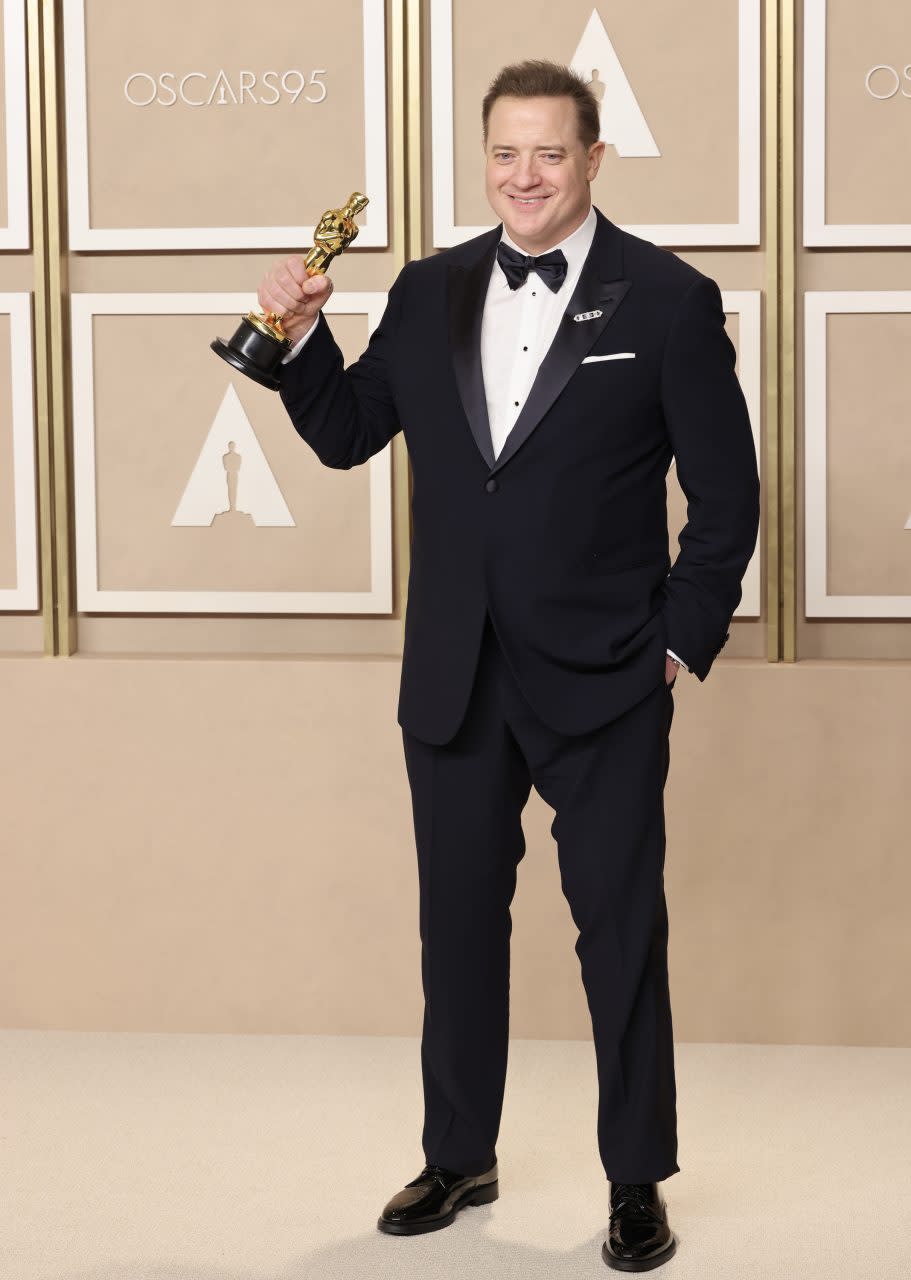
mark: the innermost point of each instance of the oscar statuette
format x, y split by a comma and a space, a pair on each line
259, 345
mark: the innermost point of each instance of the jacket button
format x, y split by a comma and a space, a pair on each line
491, 486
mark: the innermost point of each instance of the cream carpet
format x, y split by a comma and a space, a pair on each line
220, 1157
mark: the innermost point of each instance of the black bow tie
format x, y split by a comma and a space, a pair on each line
551, 267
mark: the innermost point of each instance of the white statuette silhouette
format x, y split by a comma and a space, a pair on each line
232, 476
623, 124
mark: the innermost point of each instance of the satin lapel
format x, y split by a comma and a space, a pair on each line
595, 291
467, 293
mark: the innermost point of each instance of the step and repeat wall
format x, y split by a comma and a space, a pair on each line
198, 147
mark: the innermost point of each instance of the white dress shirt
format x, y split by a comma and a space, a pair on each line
517, 328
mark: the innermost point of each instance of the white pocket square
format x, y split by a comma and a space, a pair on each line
616, 355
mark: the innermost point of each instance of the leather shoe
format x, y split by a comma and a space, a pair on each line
432, 1199
639, 1237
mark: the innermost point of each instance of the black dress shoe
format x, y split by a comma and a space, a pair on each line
639, 1236
434, 1197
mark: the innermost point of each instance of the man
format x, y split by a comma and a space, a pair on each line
545, 374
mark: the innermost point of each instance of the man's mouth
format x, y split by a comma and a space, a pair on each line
528, 201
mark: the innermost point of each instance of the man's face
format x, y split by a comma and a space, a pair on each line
538, 171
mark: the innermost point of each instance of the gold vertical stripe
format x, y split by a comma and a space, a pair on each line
38, 200
399, 204
414, 130
56, 289
413, 208
787, 285
772, 302
398, 125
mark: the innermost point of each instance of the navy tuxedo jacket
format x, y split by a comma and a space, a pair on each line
563, 538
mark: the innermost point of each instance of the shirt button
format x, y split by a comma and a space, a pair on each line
516, 403
491, 486
525, 348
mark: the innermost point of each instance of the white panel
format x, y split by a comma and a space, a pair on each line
92, 599
745, 231
373, 233
817, 306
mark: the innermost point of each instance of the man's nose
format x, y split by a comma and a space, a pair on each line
526, 175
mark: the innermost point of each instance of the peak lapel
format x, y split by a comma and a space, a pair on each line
597, 289
467, 292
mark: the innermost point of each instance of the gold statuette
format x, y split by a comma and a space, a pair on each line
260, 343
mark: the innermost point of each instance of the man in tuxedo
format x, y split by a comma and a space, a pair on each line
545, 374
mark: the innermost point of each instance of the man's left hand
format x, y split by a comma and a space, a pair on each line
670, 669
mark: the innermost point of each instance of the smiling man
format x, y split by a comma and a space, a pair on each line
538, 171
545, 375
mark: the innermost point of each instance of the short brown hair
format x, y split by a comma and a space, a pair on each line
538, 78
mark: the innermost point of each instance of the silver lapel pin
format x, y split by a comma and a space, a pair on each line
588, 315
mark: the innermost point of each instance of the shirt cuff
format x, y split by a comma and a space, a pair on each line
297, 346
678, 659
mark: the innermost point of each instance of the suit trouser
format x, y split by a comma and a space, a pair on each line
606, 788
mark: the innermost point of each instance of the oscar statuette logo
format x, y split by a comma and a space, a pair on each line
259, 345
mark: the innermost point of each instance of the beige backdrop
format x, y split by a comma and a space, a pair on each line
228, 847
207, 823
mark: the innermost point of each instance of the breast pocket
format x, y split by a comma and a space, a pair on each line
614, 355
